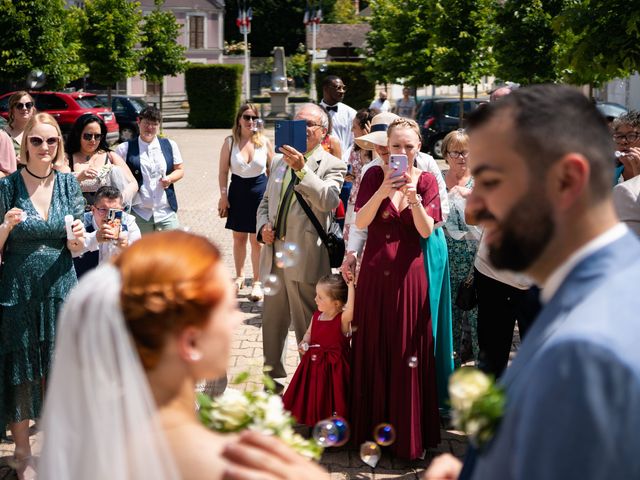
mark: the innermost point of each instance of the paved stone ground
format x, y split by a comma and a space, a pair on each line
197, 197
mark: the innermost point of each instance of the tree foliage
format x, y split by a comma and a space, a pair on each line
161, 54
525, 43
38, 35
599, 40
399, 42
110, 30
343, 12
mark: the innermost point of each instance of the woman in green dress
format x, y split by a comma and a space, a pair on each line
462, 241
37, 273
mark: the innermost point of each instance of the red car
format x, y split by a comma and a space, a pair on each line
67, 107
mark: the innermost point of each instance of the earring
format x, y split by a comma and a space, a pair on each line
195, 356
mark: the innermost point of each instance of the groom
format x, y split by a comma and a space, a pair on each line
542, 159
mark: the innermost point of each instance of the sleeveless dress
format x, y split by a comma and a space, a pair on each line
319, 387
392, 324
248, 183
35, 278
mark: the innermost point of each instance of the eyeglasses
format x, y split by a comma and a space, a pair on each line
24, 106
458, 154
37, 141
629, 137
250, 118
311, 124
101, 211
91, 136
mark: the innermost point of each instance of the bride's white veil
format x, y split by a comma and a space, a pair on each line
99, 418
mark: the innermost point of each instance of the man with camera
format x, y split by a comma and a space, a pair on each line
317, 176
109, 229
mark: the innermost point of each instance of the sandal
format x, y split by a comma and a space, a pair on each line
238, 283
256, 295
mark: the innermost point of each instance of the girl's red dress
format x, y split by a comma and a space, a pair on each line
319, 388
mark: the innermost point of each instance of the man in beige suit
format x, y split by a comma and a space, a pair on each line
626, 199
317, 176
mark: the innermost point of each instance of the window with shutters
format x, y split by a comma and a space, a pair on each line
196, 32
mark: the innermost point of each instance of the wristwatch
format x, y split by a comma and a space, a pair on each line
300, 173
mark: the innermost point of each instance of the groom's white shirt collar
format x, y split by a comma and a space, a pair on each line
559, 274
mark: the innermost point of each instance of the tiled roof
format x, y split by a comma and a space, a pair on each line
332, 35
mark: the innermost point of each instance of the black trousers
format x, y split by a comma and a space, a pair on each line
499, 307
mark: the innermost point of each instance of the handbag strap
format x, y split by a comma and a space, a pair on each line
314, 220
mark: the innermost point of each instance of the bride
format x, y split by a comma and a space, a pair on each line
134, 339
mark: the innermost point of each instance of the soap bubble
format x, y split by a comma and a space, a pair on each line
323, 68
279, 174
278, 259
271, 284
36, 79
384, 434
325, 433
343, 430
412, 362
370, 453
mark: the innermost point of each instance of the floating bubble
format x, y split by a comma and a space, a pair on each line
279, 174
278, 259
325, 433
412, 362
291, 254
370, 453
384, 434
271, 284
343, 430
323, 68
36, 79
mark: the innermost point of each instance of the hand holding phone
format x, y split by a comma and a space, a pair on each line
114, 222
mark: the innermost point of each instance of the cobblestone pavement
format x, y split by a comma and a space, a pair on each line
197, 197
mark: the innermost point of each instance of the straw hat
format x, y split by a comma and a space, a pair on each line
378, 134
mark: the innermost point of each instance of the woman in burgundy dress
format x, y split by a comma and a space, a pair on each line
393, 367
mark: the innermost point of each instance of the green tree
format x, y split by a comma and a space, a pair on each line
38, 35
598, 40
343, 12
460, 50
161, 53
110, 30
399, 42
524, 40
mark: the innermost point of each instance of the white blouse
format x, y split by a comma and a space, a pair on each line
257, 166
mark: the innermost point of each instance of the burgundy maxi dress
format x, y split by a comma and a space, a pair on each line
393, 324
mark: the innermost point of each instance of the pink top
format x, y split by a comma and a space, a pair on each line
7, 154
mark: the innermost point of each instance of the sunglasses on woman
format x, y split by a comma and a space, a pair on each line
24, 106
37, 141
91, 136
250, 117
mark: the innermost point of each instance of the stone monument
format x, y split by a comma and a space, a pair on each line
279, 89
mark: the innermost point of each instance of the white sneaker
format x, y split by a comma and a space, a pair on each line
256, 294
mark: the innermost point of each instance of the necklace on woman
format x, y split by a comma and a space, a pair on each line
38, 176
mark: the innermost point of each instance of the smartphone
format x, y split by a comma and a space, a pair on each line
114, 219
399, 164
292, 133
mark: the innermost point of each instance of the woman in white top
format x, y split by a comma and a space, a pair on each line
247, 153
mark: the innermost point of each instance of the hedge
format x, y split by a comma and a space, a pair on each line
214, 93
360, 90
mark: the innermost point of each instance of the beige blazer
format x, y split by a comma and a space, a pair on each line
626, 199
320, 187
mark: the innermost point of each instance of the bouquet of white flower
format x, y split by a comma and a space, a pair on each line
478, 404
261, 411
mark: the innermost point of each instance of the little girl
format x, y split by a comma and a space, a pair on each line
318, 389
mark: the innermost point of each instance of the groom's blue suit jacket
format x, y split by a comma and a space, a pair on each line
573, 390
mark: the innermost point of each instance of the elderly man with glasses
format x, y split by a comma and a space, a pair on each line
316, 176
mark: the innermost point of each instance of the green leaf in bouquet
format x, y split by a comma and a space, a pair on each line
242, 377
269, 384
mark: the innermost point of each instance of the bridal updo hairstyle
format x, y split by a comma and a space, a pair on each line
170, 281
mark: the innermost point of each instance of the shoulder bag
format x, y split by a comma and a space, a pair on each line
332, 239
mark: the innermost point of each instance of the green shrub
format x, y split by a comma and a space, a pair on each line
214, 93
360, 90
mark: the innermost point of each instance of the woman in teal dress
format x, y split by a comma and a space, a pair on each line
37, 273
462, 242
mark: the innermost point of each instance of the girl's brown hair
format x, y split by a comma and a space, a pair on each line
170, 281
336, 287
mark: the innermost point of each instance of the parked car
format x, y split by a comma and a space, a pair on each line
611, 110
439, 116
67, 107
126, 109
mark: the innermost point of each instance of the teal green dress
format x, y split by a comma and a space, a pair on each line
35, 278
436, 261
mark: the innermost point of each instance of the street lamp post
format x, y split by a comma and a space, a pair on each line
244, 24
312, 19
